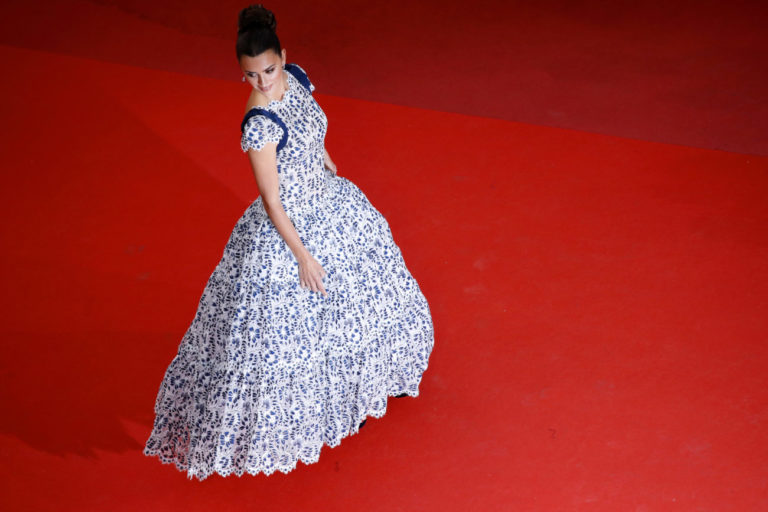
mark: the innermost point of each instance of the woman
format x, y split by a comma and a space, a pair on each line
311, 319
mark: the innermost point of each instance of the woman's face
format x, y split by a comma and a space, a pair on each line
264, 71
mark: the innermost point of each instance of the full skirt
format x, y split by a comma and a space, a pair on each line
267, 372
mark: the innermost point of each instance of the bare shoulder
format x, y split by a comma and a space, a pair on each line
256, 99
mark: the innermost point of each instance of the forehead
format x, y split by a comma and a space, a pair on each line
260, 62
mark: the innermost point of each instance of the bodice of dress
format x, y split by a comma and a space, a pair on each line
300, 164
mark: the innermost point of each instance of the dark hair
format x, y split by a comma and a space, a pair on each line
256, 31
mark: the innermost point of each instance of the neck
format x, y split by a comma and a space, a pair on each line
279, 95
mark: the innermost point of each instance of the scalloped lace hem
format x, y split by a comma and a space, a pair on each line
203, 473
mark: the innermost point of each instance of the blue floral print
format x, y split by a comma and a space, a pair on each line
269, 372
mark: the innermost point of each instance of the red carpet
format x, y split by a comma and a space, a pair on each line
685, 72
599, 301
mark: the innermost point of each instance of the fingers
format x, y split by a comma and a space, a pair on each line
313, 279
320, 286
318, 283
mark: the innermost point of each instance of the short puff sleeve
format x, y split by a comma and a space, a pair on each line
258, 131
311, 85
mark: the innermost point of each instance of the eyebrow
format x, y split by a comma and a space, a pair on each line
265, 69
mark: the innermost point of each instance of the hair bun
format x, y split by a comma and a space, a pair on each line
256, 17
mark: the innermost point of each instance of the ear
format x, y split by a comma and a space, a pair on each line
283, 56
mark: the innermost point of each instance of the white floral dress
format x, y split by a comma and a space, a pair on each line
268, 372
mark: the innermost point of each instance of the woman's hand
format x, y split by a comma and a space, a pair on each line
311, 274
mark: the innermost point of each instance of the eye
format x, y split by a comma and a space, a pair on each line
270, 70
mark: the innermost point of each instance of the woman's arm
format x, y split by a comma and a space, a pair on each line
264, 164
329, 163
